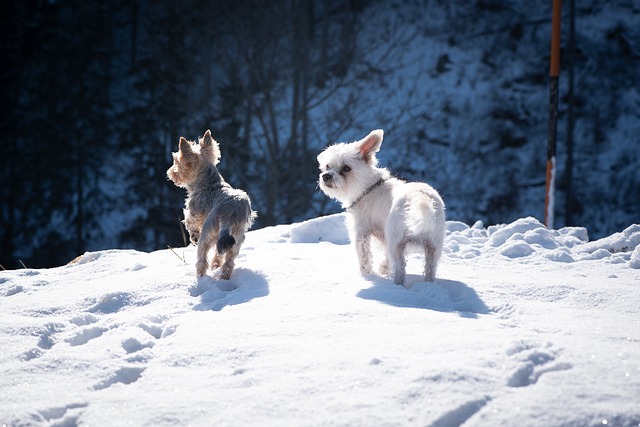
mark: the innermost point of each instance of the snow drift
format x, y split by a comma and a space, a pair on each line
524, 326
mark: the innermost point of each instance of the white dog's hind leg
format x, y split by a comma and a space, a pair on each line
398, 262
430, 262
395, 236
383, 268
395, 254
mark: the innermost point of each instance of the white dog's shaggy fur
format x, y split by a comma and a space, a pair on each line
398, 214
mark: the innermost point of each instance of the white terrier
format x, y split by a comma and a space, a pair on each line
399, 214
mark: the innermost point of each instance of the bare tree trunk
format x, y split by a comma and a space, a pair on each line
273, 186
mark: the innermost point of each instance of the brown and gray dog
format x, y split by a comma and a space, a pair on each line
215, 214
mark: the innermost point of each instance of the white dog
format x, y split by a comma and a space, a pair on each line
398, 214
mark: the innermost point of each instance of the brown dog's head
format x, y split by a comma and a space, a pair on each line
192, 158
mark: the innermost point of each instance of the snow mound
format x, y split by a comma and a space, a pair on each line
523, 326
528, 237
329, 228
635, 258
625, 241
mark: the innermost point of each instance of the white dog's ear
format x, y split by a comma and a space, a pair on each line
370, 145
210, 148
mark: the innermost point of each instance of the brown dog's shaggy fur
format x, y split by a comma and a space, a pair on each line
214, 211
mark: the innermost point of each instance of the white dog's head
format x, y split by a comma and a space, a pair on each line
347, 170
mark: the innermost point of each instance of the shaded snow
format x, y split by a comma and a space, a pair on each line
524, 326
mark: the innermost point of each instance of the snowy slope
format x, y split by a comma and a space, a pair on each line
523, 326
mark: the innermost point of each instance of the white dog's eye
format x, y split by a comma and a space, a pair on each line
346, 168
327, 167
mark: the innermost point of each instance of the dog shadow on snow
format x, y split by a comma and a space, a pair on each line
442, 295
216, 294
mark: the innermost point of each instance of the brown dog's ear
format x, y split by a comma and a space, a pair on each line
185, 146
370, 145
209, 147
206, 140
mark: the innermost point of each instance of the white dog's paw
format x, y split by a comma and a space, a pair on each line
383, 268
366, 269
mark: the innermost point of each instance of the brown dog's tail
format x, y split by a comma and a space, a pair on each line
225, 242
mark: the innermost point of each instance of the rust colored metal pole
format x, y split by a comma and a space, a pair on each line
568, 170
554, 72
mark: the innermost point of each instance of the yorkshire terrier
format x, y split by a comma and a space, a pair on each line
215, 213
399, 215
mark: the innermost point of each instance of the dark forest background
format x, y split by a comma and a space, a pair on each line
95, 95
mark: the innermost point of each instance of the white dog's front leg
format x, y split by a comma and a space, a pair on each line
363, 249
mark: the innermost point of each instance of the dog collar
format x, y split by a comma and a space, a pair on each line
367, 191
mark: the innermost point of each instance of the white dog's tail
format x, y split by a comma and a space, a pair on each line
425, 215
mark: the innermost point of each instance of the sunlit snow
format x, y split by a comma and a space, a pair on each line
524, 326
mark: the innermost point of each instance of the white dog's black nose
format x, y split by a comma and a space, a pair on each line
327, 177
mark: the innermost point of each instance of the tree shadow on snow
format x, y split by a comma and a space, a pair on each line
216, 294
442, 295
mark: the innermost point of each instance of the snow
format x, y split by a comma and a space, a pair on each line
523, 326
